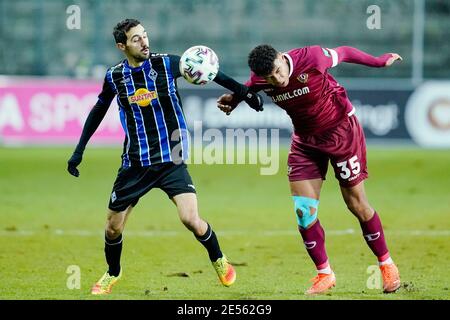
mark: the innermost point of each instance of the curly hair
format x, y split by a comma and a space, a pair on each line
261, 59
122, 27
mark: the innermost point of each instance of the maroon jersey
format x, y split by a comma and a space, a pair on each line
313, 98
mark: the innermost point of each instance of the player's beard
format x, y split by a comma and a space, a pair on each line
140, 57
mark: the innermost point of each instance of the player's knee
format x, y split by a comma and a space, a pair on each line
113, 230
188, 223
112, 234
306, 210
190, 218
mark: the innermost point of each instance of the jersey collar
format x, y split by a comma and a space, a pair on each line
291, 64
135, 68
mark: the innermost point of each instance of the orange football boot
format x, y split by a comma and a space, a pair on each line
391, 277
321, 283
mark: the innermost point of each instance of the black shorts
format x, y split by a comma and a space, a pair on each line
133, 182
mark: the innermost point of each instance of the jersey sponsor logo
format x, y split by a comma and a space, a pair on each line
158, 54
372, 236
290, 95
310, 245
142, 97
354, 177
303, 77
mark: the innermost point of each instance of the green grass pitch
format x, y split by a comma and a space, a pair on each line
51, 220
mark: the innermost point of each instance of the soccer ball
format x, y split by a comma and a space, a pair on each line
199, 65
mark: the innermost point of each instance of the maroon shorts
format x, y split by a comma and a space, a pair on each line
344, 146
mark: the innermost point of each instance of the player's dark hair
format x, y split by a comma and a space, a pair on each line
261, 59
122, 27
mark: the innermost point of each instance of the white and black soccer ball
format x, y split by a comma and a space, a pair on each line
199, 65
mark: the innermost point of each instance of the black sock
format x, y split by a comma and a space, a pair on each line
209, 241
113, 250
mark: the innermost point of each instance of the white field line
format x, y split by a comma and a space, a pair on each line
230, 233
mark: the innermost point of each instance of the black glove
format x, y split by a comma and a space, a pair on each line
254, 100
73, 163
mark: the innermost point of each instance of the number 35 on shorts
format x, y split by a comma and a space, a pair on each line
348, 167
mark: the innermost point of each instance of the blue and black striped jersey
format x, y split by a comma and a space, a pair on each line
150, 110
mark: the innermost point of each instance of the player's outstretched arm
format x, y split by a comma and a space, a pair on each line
353, 55
93, 120
240, 93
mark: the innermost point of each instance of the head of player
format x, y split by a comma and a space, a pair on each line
270, 64
131, 38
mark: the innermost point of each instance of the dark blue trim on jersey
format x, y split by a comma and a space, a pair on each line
140, 128
123, 121
177, 108
159, 117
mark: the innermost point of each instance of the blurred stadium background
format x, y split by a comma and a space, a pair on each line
40, 52
50, 76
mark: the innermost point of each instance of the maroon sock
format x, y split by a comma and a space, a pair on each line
314, 240
373, 233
